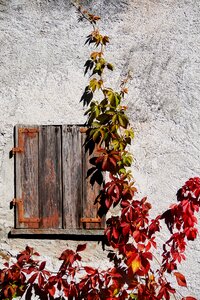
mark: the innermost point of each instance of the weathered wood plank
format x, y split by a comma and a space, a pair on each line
26, 177
89, 209
50, 179
72, 176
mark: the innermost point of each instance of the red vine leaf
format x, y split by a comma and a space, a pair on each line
180, 279
52, 290
90, 270
33, 278
42, 266
81, 247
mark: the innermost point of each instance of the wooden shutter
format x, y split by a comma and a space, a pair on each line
50, 177
26, 170
72, 176
51, 186
90, 219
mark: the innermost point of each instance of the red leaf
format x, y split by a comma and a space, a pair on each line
29, 249
6, 265
125, 229
180, 279
32, 278
9, 292
113, 161
22, 257
42, 266
45, 272
23, 277
67, 255
115, 233
29, 270
52, 290
189, 298
53, 279
81, 247
105, 163
90, 270
40, 280
148, 255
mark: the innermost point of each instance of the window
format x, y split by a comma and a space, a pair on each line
52, 193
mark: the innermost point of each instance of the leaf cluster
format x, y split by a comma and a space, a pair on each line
131, 233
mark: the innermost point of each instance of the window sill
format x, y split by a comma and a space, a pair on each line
59, 234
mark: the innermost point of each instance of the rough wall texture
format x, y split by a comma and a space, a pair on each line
41, 81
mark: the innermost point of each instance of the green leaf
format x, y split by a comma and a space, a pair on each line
115, 144
123, 121
96, 124
102, 61
129, 133
97, 111
122, 171
110, 95
91, 117
98, 66
134, 296
114, 118
96, 135
110, 112
104, 102
103, 118
93, 84
127, 159
128, 140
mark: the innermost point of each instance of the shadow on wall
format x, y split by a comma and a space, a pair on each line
72, 237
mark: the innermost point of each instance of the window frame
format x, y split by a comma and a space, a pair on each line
19, 143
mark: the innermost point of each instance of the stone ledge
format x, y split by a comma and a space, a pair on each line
66, 234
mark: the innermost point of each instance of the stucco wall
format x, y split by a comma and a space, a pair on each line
41, 81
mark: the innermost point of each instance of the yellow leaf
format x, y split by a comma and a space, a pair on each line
116, 291
94, 55
136, 264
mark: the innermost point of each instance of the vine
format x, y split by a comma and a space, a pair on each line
131, 235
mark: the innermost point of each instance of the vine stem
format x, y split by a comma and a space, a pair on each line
164, 275
78, 7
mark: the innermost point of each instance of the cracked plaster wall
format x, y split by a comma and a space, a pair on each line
41, 80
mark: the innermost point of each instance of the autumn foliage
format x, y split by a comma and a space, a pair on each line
137, 272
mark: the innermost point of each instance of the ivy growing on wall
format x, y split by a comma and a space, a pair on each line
136, 272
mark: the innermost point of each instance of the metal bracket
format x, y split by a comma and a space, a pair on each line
17, 150
21, 219
83, 129
30, 132
90, 220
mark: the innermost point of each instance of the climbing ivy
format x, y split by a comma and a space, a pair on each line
136, 272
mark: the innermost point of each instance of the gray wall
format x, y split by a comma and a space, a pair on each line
41, 81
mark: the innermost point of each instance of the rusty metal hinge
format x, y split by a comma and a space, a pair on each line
83, 129
90, 220
17, 150
30, 132
21, 218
